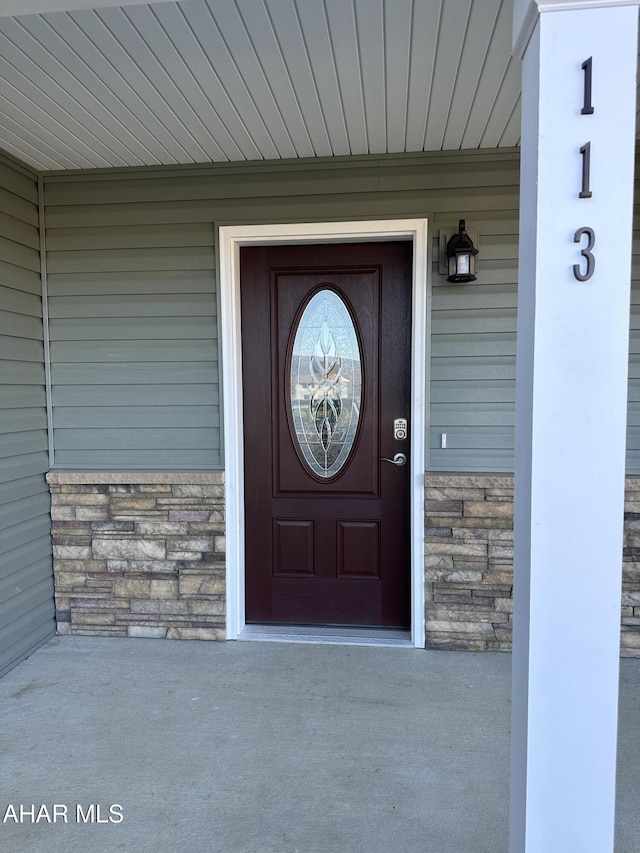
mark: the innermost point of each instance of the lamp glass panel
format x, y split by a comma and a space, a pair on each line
464, 264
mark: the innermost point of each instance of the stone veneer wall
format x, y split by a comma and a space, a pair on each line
469, 563
630, 638
142, 554
139, 554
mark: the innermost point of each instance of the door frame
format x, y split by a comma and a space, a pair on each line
230, 239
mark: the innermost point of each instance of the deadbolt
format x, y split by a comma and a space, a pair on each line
400, 429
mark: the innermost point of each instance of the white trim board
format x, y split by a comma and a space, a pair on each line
230, 239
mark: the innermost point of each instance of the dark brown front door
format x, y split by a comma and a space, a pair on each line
326, 334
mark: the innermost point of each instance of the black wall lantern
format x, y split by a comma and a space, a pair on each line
461, 254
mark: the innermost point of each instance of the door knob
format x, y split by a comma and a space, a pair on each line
399, 459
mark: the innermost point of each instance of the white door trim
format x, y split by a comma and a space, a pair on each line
230, 239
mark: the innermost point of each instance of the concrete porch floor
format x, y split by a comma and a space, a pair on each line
270, 748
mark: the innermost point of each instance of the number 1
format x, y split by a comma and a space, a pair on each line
587, 108
586, 171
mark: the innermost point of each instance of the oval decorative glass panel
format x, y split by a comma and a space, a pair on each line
326, 383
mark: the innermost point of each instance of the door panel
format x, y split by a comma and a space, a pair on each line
294, 548
358, 549
327, 528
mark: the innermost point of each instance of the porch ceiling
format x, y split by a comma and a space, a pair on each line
216, 80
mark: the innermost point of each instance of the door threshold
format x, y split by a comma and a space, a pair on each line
382, 637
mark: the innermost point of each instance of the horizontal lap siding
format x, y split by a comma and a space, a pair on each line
132, 302
26, 580
133, 324
633, 405
473, 348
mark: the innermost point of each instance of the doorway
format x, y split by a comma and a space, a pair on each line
230, 241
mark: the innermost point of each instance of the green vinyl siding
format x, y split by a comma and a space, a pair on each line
26, 578
133, 305
633, 405
134, 334
132, 302
473, 348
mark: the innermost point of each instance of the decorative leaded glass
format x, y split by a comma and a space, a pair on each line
326, 383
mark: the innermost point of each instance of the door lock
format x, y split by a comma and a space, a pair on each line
400, 429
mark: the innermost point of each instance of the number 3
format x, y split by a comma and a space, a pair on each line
586, 253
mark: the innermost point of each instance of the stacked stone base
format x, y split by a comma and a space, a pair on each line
139, 554
630, 637
469, 563
142, 554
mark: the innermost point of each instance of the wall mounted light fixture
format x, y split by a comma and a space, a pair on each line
461, 256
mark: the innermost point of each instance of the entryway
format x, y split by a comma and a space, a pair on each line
322, 531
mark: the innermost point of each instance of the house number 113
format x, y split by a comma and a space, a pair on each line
584, 270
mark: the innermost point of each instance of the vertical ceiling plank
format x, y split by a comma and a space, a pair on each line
40, 105
424, 39
37, 123
453, 30
344, 40
505, 103
315, 32
217, 61
197, 112
156, 87
60, 90
211, 97
32, 102
242, 53
123, 71
369, 16
482, 22
184, 81
493, 71
268, 51
511, 134
291, 43
398, 18
20, 146
62, 39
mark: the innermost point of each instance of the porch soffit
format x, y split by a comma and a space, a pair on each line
202, 81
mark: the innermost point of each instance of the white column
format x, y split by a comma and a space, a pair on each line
571, 420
